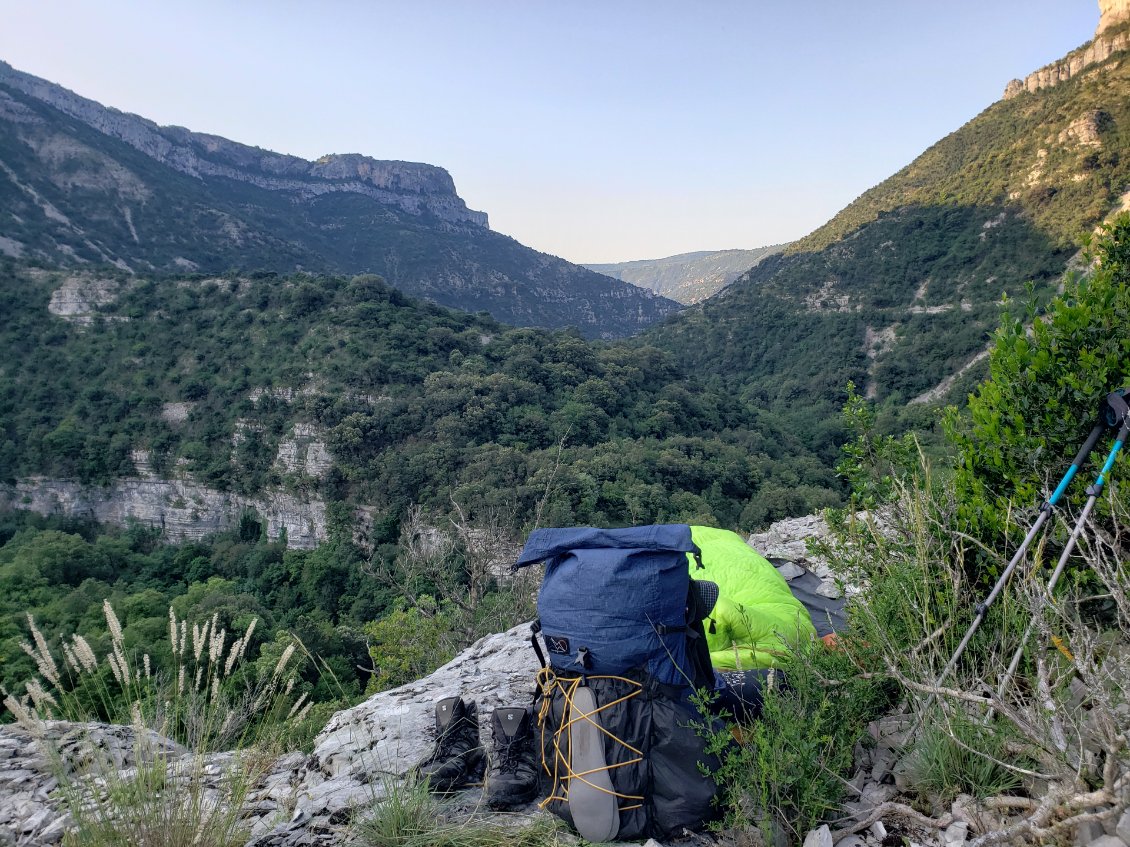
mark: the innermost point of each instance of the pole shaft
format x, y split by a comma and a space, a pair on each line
1077, 530
1041, 519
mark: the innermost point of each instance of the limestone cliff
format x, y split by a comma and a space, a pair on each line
86, 185
410, 186
182, 510
1111, 14
1111, 36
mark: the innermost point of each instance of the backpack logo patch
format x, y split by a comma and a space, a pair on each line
557, 644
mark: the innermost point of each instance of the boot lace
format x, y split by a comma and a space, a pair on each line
509, 755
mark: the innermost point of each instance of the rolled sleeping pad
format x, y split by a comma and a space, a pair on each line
592, 802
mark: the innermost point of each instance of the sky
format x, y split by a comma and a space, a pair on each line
595, 130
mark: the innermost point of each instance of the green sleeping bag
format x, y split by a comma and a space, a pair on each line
756, 617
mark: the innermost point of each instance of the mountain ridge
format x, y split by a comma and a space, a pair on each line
412, 186
900, 292
87, 184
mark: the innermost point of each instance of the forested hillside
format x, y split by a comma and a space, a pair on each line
1057, 153
207, 378
896, 308
415, 403
899, 291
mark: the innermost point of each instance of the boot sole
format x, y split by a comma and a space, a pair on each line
502, 804
592, 804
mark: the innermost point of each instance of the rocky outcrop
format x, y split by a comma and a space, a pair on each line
304, 452
79, 297
411, 186
1111, 14
791, 541
362, 748
1111, 37
1087, 129
299, 800
182, 510
36, 760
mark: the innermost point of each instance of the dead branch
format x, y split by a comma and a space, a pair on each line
893, 809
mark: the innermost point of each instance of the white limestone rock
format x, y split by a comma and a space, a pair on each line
391, 731
181, 509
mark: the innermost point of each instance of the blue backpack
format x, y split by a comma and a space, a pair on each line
623, 746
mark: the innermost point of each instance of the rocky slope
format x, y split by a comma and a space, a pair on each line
88, 184
182, 510
688, 277
416, 188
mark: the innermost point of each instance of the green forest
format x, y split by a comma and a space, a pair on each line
417, 403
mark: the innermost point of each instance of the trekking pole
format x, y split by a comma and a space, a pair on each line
1041, 519
1117, 411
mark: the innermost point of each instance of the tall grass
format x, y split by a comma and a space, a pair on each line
409, 815
165, 786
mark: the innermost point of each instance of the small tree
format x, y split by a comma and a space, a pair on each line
1048, 377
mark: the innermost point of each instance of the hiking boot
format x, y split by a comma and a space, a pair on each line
513, 779
458, 758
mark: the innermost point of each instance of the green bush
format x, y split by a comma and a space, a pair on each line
410, 642
788, 770
1048, 377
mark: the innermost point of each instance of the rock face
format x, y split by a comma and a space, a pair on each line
183, 511
384, 737
304, 452
411, 186
1112, 13
788, 540
31, 811
78, 298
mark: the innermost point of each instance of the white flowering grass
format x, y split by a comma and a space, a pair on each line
160, 794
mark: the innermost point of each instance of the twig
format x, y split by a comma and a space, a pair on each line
891, 808
932, 637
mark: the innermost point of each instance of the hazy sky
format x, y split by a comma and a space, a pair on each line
595, 130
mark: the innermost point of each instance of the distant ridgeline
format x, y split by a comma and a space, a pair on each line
688, 277
900, 291
86, 184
